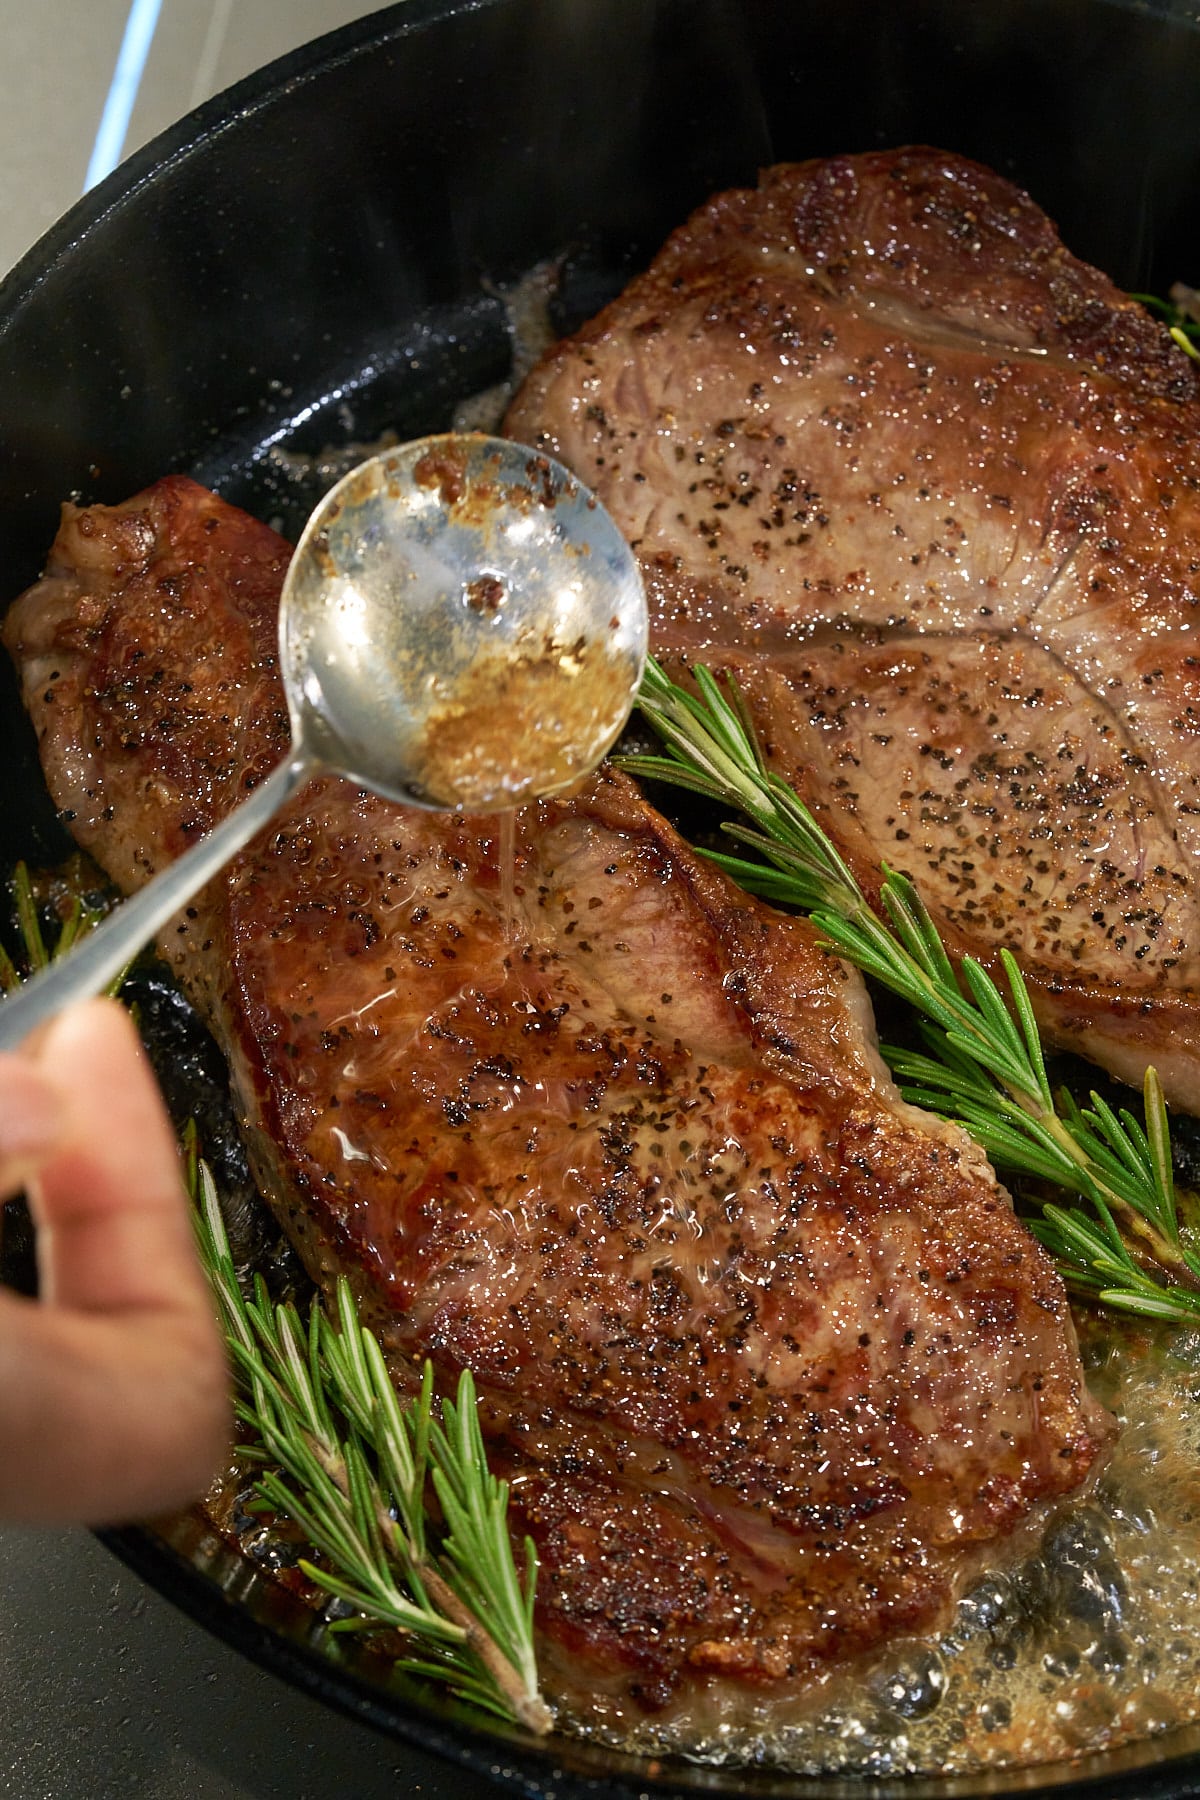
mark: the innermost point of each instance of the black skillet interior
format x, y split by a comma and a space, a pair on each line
313, 258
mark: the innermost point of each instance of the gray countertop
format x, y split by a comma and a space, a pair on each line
110, 1692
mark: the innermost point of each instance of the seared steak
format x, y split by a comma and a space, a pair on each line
765, 1352
929, 485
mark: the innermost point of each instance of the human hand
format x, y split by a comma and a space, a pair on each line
113, 1385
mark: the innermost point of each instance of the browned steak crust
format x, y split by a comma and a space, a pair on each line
929, 485
765, 1352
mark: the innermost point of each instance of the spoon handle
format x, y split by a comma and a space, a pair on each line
100, 957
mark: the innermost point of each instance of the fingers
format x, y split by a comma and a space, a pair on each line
31, 1122
104, 1419
113, 1386
113, 1227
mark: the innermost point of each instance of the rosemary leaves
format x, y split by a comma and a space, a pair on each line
350, 1465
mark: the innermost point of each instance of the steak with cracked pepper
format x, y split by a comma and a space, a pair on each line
765, 1352
928, 485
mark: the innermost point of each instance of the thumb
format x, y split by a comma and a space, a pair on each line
113, 1387
31, 1121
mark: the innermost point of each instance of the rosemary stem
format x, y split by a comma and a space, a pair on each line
527, 1704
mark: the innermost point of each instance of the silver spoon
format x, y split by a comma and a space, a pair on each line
462, 627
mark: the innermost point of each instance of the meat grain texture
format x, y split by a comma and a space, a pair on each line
765, 1353
928, 485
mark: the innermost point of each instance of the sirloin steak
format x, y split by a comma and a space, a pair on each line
765, 1353
928, 485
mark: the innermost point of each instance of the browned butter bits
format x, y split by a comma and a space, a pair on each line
521, 727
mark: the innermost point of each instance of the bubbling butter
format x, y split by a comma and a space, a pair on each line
1086, 1639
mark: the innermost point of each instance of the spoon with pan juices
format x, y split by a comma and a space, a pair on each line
462, 628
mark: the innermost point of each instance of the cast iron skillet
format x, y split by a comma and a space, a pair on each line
313, 257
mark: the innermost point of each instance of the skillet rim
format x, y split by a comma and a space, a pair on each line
559, 1766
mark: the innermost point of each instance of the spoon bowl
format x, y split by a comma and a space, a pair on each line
462, 628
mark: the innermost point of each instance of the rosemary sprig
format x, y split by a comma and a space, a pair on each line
1180, 314
349, 1465
982, 1064
74, 919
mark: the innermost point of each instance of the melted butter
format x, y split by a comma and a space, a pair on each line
1087, 1637
351, 1153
